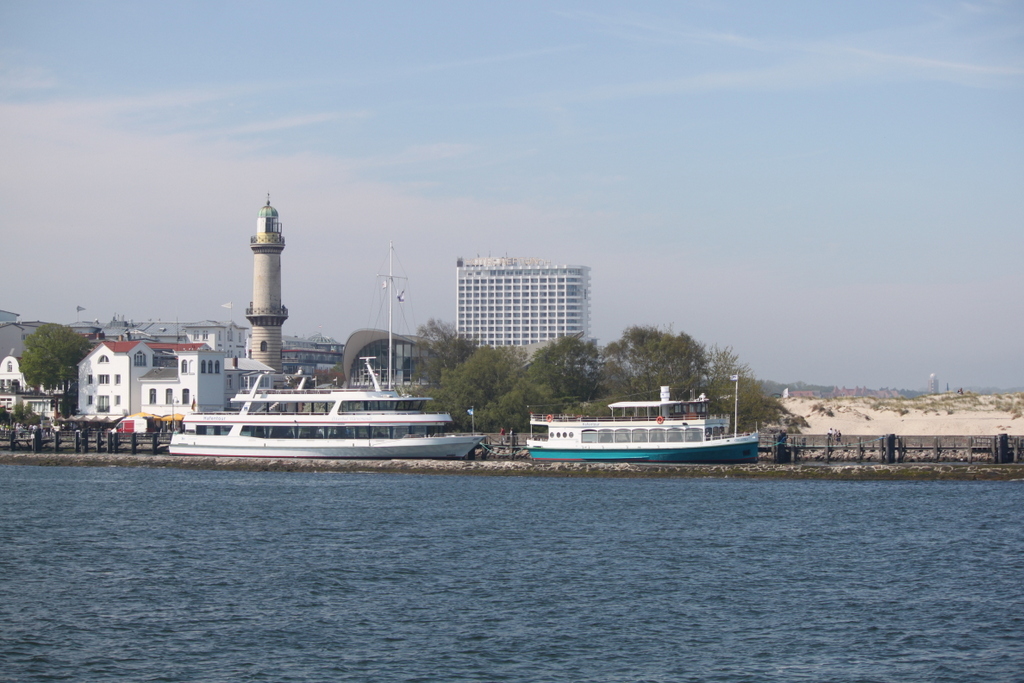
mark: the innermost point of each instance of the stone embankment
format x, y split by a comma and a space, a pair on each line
527, 468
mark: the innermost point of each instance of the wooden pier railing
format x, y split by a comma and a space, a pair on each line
890, 448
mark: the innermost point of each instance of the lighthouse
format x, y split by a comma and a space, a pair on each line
266, 314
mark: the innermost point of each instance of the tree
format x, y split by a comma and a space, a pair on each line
52, 355
25, 415
493, 383
756, 407
647, 357
445, 350
570, 369
335, 376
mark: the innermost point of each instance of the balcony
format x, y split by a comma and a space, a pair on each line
267, 238
277, 311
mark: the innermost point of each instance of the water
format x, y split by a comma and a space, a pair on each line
164, 575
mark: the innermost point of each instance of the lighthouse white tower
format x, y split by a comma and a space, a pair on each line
265, 312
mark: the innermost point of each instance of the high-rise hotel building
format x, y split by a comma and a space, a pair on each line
519, 301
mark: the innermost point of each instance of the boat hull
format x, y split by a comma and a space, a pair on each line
726, 451
442, 447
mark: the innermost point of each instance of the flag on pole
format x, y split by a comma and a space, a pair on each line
469, 412
79, 309
384, 285
735, 378
227, 305
401, 297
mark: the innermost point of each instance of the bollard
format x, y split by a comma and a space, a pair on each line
889, 455
37, 440
154, 443
14, 440
99, 440
1002, 449
78, 441
56, 441
135, 443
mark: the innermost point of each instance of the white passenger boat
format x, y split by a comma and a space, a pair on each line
323, 423
643, 431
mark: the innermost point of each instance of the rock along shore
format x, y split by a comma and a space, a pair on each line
527, 468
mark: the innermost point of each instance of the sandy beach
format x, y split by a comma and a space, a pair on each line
937, 415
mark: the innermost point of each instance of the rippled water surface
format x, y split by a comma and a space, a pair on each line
166, 575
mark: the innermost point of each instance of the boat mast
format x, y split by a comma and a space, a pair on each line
391, 303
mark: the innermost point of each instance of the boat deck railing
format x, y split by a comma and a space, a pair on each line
543, 418
235, 413
706, 439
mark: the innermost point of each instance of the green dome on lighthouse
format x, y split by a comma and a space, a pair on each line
268, 211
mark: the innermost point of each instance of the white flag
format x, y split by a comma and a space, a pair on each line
227, 305
401, 297
735, 378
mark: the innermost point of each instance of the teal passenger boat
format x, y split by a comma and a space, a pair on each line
643, 431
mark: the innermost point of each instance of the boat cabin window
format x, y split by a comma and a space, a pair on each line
403, 405
694, 435
605, 436
657, 435
215, 430
673, 435
688, 409
639, 436
292, 407
340, 432
588, 436
622, 436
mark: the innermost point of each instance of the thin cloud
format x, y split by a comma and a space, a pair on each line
294, 122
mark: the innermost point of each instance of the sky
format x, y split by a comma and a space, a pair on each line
833, 190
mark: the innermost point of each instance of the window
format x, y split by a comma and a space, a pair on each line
169, 396
88, 400
89, 381
10, 367
184, 397
140, 359
152, 395
117, 400
263, 346
184, 367
202, 367
102, 404
103, 379
216, 366
104, 359
117, 379
229, 381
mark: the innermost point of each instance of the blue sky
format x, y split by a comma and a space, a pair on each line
834, 190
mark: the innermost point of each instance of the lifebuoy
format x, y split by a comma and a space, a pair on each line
550, 417
660, 419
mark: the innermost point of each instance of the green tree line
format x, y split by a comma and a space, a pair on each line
503, 385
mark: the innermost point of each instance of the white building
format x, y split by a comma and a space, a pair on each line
14, 390
521, 301
229, 337
126, 377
